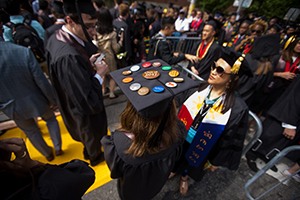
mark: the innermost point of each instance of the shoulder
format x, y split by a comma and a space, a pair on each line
239, 105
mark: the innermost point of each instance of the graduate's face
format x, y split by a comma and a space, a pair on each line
89, 25
243, 28
217, 77
297, 47
208, 32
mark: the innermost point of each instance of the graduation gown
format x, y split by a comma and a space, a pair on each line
139, 177
79, 92
204, 65
227, 152
162, 49
287, 110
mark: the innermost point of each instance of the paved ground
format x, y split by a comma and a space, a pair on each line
219, 185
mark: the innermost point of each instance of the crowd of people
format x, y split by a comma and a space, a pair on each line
73, 54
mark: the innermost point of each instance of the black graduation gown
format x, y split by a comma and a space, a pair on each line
204, 65
287, 110
162, 49
139, 177
249, 87
227, 152
79, 92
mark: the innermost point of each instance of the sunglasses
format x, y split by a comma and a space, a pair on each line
220, 70
256, 31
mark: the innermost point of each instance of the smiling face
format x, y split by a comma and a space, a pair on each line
217, 78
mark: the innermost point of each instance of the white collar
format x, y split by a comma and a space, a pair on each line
80, 41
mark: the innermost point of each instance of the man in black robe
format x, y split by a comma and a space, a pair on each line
281, 128
161, 47
207, 51
76, 80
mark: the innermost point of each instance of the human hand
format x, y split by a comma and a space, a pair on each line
195, 71
18, 147
289, 133
93, 58
176, 54
288, 75
192, 58
101, 68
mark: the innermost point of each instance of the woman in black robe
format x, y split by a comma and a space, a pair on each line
229, 114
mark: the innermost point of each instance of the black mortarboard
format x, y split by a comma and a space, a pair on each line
85, 6
294, 38
265, 46
154, 103
57, 6
238, 63
214, 23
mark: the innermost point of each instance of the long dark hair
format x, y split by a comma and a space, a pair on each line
229, 98
105, 21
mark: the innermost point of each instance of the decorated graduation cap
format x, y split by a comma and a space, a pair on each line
150, 86
266, 46
237, 62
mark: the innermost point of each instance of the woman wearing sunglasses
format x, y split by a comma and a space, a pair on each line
257, 29
216, 121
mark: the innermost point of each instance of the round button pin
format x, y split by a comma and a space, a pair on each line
127, 79
146, 64
134, 68
178, 80
174, 73
171, 84
135, 86
158, 89
151, 74
156, 64
127, 72
166, 68
143, 91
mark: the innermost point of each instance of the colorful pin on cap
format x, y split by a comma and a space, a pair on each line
151, 74
171, 84
174, 73
158, 89
127, 80
143, 91
156, 64
135, 86
135, 68
126, 72
146, 64
166, 68
178, 80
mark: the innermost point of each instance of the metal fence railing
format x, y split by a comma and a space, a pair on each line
262, 171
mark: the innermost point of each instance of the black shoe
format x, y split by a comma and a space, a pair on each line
274, 168
251, 163
97, 160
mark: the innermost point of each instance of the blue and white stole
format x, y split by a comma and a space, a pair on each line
203, 138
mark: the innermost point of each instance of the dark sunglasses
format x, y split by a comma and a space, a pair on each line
220, 70
257, 31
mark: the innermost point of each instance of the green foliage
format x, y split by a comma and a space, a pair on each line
266, 8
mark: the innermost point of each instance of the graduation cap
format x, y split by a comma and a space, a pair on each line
57, 7
238, 63
79, 6
216, 24
150, 89
291, 40
266, 46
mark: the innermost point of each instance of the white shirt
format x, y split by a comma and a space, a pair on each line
182, 24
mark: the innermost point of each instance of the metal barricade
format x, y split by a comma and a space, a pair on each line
257, 134
262, 171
